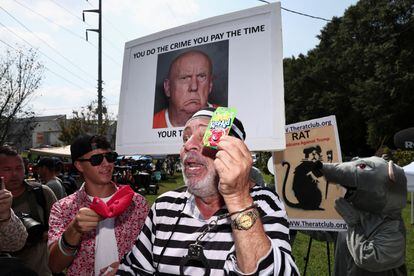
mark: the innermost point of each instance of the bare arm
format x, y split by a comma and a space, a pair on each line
251, 246
233, 163
84, 221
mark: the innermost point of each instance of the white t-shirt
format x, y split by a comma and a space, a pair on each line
106, 248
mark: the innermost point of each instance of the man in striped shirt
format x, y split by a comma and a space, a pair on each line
219, 224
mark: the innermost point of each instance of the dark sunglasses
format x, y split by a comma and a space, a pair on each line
97, 159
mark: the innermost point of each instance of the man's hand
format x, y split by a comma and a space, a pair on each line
6, 199
233, 163
85, 220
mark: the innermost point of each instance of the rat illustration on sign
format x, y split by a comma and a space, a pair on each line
305, 180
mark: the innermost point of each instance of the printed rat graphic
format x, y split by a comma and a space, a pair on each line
305, 182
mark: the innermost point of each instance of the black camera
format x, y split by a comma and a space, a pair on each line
34, 228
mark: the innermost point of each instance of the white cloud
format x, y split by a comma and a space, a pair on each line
53, 12
8, 4
17, 35
53, 100
60, 99
132, 19
155, 15
40, 12
112, 90
111, 95
25, 27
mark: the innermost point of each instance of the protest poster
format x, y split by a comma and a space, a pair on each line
308, 197
243, 51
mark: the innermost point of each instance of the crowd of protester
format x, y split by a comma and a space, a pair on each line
142, 173
90, 218
34, 186
83, 221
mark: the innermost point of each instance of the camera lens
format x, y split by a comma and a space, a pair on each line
34, 228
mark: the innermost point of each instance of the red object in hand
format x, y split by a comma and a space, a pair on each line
116, 205
215, 136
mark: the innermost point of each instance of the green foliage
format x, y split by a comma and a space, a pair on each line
409, 257
399, 156
318, 260
171, 183
261, 161
362, 72
403, 157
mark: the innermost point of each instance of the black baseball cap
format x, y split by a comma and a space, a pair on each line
86, 143
46, 162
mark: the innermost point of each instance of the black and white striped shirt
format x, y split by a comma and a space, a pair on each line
174, 222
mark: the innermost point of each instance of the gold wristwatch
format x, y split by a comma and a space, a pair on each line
245, 220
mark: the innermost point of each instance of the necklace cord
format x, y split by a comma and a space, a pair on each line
172, 233
210, 226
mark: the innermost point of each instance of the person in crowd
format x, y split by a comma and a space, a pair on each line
68, 180
13, 234
219, 224
47, 170
187, 87
95, 226
32, 203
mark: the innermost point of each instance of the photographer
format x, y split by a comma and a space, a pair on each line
32, 203
13, 236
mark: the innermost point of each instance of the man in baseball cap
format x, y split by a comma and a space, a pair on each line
46, 168
94, 227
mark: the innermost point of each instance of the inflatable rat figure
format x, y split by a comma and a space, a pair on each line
374, 243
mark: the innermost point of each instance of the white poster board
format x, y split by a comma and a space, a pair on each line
309, 199
245, 49
409, 173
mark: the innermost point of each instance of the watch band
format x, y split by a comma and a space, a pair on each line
245, 220
254, 205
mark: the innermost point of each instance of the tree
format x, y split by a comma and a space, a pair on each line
20, 76
86, 121
361, 71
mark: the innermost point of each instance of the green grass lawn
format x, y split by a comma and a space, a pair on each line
169, 184
318, 262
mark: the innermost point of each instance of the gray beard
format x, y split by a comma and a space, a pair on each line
203, 188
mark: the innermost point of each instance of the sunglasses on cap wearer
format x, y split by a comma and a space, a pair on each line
97, 159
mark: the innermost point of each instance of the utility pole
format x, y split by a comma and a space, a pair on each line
99, 31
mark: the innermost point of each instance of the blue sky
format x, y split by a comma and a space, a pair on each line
56, 29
